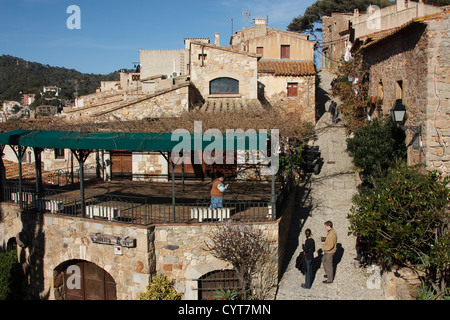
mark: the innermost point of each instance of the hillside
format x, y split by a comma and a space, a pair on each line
18, 75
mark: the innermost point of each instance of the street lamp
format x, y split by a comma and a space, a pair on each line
398, 115
398, 112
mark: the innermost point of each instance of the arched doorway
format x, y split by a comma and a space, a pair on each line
213, 281
11, 244
83, 280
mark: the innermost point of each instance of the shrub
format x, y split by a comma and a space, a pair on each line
10, 276
161, 288
376, 145
226, 294
354, 97
405, 219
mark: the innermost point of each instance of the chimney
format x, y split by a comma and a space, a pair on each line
355, 13
420, 9
401, 5
217, 39
260, 27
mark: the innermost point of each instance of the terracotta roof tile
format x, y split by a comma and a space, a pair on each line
287, 67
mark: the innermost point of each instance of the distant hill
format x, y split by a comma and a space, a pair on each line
18, 75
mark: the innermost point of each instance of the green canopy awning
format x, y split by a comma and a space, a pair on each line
12, 137
129, 141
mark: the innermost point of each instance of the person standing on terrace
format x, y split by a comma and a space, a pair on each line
217, 191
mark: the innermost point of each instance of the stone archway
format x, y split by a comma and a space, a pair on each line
83, 280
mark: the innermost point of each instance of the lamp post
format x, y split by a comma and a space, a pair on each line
398, 112
398, 115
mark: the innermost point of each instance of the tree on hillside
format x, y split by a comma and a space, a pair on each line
18, 75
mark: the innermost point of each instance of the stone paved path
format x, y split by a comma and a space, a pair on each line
327, 196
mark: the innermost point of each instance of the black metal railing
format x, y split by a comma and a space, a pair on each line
135, 209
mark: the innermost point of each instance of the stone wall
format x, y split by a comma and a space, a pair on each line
149, 166
401, 60
221, 62
415, 59
10, 223
335, 44
275, 91
48, 242
170, 103
437, 128
69, 239
181, 253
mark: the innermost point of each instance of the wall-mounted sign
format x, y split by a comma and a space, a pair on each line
118, 250
112, 240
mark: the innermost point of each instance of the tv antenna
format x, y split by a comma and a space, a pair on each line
246, 14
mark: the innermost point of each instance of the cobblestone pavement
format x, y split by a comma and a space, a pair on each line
327, 196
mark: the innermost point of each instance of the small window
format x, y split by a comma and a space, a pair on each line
202, 57
260, 50
285, 52
59, 154
380, 92
224, 85
292, 89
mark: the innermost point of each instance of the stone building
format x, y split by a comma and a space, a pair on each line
409, 64
66, 258
57, 250
261, 67
286, 69
340, 30
335, 38
220, 72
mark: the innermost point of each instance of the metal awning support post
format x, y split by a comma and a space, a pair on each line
182, 176
20, 152
2, 171
81, 156
274, 204
172, 167
38, 165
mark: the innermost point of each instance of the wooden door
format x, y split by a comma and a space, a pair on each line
190, 169
213, 281
121, 164
94, 283
203, 170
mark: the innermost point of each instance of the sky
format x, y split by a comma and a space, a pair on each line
111, 32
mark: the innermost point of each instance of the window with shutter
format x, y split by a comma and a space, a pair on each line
285, 52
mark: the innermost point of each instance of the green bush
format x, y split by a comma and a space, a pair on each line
226, 294
405, 219
161, 288
377, 144
10, 276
